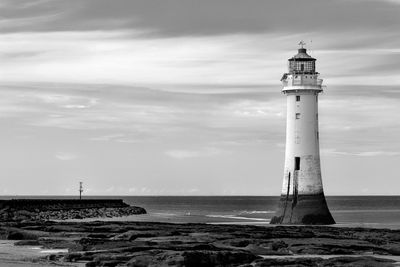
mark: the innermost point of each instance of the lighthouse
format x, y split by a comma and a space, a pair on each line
302, 198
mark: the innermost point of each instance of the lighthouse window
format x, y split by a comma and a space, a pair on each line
297, 98
297, 116
296, 163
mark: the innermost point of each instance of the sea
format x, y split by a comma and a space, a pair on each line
351, 211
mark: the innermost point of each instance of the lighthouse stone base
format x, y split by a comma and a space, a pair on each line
303, 209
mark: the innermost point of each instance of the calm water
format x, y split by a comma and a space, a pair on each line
368, 211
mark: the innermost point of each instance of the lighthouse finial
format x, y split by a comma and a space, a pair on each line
302, 43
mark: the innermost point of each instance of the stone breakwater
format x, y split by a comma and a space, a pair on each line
64, 209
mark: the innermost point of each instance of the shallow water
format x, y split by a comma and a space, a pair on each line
11, 255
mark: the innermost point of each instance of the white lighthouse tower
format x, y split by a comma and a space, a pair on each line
302, 199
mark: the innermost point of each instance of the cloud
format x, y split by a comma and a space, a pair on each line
238, 60
105, 57
186, 154
251, 108
135, 115
119, 138
194, 18
132, 189
109, 137
378, 153
16, 55
193, 190
361, 154
66, 156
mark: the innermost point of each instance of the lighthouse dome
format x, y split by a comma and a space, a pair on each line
302, 55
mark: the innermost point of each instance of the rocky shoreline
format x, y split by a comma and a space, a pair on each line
102, 243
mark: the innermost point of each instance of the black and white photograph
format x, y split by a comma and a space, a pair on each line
195, 133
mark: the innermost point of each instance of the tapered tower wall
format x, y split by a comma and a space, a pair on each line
302, 197
302, 142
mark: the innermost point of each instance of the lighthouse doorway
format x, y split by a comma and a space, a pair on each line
297, 163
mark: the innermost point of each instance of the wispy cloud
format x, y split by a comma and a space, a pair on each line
109, 137
361, 154
65, 156
186, 154
246, 58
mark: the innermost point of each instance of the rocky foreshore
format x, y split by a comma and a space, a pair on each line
103, 243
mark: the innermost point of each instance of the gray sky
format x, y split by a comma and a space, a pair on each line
182, 97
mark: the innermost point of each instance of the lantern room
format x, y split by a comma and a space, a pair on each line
302, 63
301, 74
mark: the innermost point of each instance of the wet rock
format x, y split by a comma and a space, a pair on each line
240, 243
358, 261
13, 235
27, 243
332, 262
156, 258
260, 250
278, 244
217, 258
18, 234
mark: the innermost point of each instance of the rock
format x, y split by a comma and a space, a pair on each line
358, 261
17, 234
332, 262
141, 261
217, 258
14, 235
156, 258
240, 243
27, 243
279, 244
293, 262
